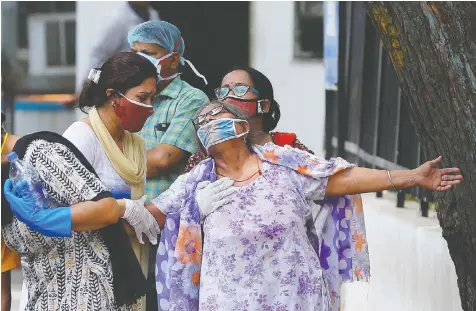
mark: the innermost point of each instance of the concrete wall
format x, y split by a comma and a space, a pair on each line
91, 18
42, 117
298, 85
410, 264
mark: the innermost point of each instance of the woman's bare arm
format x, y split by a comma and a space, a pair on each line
158, 215
361, 180
91, 215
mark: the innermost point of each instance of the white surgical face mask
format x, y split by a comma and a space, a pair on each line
218, 131
157, 63
135, 102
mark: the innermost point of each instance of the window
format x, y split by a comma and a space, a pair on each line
60, 42
27, 8
309, 30
51, 38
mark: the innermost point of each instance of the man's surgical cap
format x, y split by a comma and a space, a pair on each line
161, 33
165, 35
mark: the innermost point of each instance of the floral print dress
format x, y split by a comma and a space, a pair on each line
279, 245
257, 255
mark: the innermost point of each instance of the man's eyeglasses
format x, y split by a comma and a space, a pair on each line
201, 119
238, 89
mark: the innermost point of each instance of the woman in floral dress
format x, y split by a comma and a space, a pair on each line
255, 253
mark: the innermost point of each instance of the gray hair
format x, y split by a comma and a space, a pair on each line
234, 110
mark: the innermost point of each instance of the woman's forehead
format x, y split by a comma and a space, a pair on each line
237, 76
148, 86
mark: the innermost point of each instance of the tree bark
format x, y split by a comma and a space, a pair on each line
432, 46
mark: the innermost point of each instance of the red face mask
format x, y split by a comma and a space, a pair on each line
132, 114
248, 106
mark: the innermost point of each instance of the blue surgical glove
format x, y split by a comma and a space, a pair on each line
55, 222
121, 195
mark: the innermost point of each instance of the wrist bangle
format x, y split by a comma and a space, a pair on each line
391, 181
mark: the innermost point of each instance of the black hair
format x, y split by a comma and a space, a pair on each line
121, 72
265, 88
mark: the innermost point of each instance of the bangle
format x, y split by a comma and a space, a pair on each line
391, 181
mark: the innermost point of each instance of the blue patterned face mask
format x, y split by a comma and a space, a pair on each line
218, 131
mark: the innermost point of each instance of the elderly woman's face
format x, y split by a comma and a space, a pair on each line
213, 134
210, 113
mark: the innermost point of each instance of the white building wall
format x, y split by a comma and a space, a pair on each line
298, 84
91, 18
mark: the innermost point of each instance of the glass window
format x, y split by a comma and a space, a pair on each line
27, 8
53, 48
309, 30
70, 37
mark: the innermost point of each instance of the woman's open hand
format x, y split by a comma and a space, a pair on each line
437, 179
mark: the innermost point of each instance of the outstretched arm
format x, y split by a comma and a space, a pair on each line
361, 180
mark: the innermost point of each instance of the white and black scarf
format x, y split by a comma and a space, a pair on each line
95, 270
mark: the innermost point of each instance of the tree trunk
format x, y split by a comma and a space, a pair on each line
432, 46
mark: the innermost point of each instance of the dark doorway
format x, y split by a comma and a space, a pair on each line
216, 36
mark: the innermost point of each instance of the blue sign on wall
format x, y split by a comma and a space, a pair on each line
331, 43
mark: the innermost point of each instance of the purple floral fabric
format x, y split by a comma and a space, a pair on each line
264, 258
261, 258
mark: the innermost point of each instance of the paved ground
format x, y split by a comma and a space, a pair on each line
16, 289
